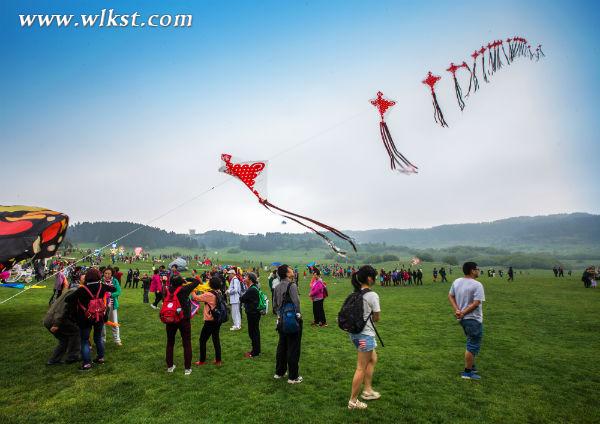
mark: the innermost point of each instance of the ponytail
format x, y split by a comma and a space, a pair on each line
361, 276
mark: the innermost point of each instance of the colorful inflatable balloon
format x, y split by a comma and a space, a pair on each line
138, 251
29, 232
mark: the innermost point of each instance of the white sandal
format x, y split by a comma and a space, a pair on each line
370, 395
357, 405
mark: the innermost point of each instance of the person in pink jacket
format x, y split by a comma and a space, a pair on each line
318, 293
156, 288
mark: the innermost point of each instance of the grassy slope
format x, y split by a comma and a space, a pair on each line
539, 364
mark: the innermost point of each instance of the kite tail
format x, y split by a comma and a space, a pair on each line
298, 219
505, 56
498, 58
490, 61
437, 112
397, 159
485, 78
473, 79
470, 79
541, 52
461, 103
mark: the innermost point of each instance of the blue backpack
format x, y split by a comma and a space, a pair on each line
287, 313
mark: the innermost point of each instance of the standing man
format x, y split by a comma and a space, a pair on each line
465, 296
288, 347
273, 283
443, 274
235, 291
511, 274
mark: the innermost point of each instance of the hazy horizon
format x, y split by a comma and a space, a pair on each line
350, 229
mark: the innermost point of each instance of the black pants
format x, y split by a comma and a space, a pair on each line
67, 343
185, 329
288, 354
210, 329
319, 312
254, 332
157, 298
146, 300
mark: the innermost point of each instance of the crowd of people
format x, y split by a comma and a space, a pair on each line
85, 301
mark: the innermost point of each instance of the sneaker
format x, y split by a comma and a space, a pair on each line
474, 370
470, 376
247, 355
357, 404
218, 363
323, 325
278, 377
99, 361
85, 367
199, 363
171, 369
119, 343
153, 306
298, 380
372, 395
187, 371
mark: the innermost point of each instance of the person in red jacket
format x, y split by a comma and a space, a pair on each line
184, 326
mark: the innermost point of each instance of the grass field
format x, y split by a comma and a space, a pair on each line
539, 363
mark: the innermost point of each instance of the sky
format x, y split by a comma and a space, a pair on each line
125, 124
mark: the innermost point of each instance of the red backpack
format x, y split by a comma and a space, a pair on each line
171, 311
96, 307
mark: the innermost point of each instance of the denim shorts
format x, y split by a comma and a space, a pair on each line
363, 342
474, 331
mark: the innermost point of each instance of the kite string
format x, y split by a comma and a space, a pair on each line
300, 143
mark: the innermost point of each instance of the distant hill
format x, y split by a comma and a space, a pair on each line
551, 232
103, 233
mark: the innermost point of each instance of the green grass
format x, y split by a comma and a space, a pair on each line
539, 363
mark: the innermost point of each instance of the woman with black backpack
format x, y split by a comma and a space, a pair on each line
212, 320
365, 343
182, 292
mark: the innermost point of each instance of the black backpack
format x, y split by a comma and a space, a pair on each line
350, 318
219, 313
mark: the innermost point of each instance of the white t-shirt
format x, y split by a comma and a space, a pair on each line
370, 304
465, 291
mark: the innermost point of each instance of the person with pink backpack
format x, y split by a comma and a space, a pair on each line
89, 299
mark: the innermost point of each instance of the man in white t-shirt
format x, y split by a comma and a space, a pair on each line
466, 296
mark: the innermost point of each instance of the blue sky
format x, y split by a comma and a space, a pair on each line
120, 124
